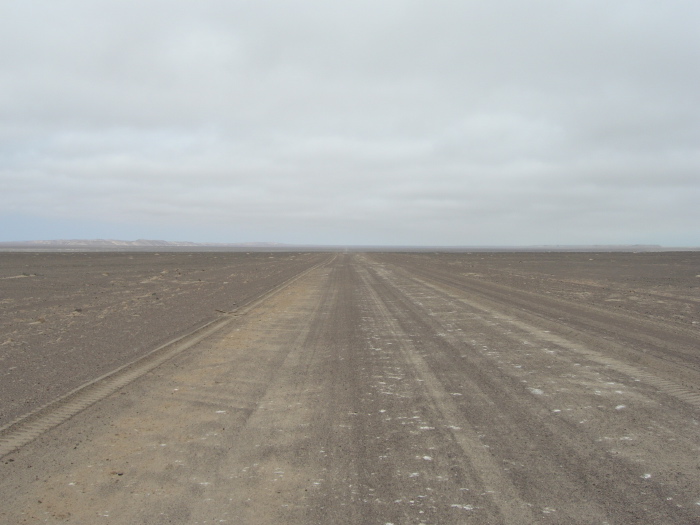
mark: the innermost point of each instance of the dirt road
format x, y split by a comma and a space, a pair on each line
387, 388
67, 318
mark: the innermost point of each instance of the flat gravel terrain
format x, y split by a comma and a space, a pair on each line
67, 318
403, 388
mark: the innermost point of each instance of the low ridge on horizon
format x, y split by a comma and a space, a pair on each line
137, 242
158, 243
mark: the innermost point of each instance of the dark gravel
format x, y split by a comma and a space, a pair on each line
66, 318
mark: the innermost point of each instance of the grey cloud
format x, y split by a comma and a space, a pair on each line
407, 122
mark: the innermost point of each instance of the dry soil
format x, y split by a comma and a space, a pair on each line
400, 388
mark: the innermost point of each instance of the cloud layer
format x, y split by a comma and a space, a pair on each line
400, 122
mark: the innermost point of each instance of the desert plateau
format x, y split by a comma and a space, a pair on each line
377, 387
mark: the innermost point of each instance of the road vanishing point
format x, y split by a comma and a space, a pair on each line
364, 388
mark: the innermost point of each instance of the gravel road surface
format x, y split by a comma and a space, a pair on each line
404, 388
67, 318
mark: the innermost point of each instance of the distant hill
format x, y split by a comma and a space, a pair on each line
105, 244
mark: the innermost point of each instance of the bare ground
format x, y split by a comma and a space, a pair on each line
412, 388
66, 318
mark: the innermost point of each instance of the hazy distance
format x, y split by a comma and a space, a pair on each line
313, 122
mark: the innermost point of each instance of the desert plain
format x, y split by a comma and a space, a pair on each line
389, 388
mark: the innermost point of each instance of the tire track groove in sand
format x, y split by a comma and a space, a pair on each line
669, 387
362, 395
32, 425
670, 349
199, 439
502, 492
585, 481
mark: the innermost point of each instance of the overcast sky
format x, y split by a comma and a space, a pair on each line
394, 122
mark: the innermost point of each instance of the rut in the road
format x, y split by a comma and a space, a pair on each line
368, 393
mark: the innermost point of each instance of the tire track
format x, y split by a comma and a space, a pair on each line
670, 347
503, 493
573, 465
32, 425
671, 388
363, 394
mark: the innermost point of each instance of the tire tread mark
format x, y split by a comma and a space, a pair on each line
666, 386
636, 329
30, 426
504, 495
